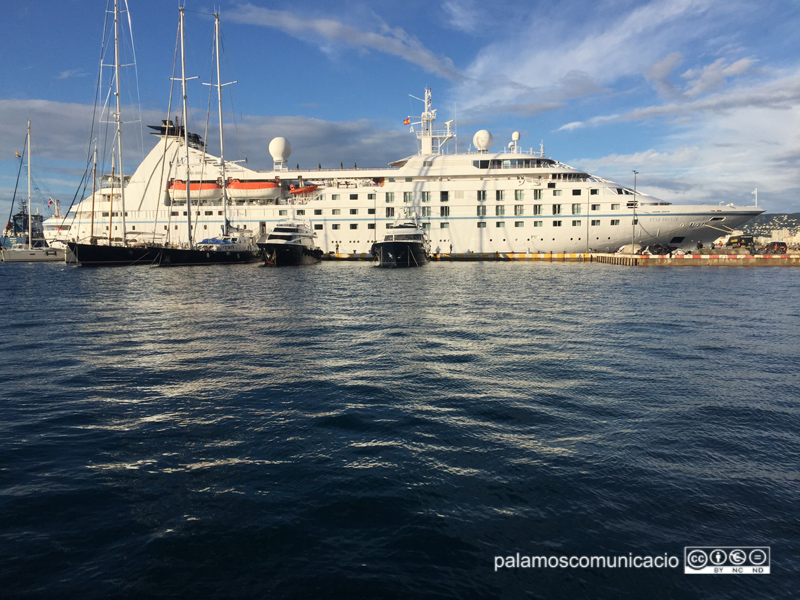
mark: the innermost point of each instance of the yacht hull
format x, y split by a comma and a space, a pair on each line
399, 254
282, 255
32, 255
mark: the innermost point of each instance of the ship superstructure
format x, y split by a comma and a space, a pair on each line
514, 201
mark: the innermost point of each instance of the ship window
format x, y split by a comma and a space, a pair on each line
426, 225
317, 226
636, 221
105, 214
499, 195
353, 211
174, 214
481, 224
556, 223
370, 225
615, 221
556, 209
204, 227
519, 223
519, 195
551, 184
165, 227
370, 211
481, 211
576, 209
209, 213
537, 194
353, 196
444, 211
426, 211
556, 192
334, 196
500, 224
408, 179
519, 210
371, 196
301, 212
595, 222
389, 212
499, 210
408, 196
676, 240
336, 211
576, 192
219, 212
426, 196
537, 209
538, 223
615, 207
594, 192
317, 211
283, 213
389, 197
134, 228
717, 218
444, 225
595, 207
335, 226
353, 225
576, 223
481, 195
444, 196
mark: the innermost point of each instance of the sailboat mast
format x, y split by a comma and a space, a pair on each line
111, 201
30, 228
186, 132
94, 186
221, 137
118, 119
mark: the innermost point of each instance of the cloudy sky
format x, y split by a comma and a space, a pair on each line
701, 97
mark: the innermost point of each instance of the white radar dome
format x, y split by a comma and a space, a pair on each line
515, 136
482, 140
280, 149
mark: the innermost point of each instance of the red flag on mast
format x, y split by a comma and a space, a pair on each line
407, 122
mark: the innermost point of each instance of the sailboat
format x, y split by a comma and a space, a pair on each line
32, 250
233, 246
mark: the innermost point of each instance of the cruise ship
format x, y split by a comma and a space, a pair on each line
485, 203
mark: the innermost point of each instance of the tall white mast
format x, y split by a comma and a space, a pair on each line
185, 132
118, 119
221, 137
30, 229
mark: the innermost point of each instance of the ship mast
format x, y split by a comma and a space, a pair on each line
219, 86
30, 229
185, 131
118, 120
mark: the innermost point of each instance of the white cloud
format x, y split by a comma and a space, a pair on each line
394, 41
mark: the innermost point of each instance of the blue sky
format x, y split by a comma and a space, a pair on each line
699, 96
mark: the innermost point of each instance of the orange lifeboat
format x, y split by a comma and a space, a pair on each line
306, 189
199, 190
253, 188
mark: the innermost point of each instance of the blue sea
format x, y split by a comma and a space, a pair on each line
344, 431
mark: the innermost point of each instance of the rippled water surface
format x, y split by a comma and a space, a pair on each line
343, 431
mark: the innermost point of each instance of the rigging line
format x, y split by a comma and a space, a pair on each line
136, 75
19, 172
230, 94
82, 182
164, 157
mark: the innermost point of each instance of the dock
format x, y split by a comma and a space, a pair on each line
628, 260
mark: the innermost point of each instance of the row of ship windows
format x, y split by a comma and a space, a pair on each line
444, 211
480, 224
482, 195
444, 224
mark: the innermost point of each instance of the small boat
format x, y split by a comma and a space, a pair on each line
405, 245
199, 190
257, 189
291, 242
26, 230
